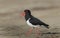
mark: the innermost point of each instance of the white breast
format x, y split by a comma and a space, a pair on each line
30, 23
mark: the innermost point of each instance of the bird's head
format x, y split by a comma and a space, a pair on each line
26, 12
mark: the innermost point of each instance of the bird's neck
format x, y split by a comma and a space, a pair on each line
27, 17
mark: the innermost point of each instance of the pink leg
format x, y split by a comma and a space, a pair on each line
37, 31
29, 32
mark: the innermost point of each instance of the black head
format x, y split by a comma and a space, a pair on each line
27, 12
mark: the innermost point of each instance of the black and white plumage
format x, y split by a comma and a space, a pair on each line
32, 21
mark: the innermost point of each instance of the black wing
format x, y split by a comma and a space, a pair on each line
36, 21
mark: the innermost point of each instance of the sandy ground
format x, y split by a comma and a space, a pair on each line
12, 25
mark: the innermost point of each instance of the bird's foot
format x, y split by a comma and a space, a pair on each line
29, 32
37, 31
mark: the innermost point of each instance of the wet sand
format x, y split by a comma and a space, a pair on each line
12, 25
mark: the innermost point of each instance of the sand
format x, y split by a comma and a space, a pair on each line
12, 25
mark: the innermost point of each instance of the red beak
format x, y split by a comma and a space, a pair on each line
23, 14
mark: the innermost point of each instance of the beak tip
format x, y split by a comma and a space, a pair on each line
22, 14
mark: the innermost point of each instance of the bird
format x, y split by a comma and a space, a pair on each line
33, 21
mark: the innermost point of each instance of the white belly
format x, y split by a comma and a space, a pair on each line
31, 24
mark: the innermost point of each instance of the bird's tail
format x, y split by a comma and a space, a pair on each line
46, 25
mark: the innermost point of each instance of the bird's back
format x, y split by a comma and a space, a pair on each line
36, 21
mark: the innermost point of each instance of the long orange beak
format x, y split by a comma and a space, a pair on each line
23, 14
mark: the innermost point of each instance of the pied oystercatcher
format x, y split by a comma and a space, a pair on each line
32, 21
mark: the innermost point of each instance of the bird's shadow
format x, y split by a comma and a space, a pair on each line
52, 33
15, 30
